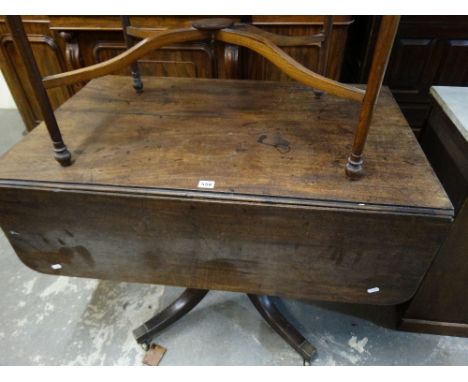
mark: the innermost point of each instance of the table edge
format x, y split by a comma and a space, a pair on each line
229, 198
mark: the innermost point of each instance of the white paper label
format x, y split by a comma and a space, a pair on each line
206, 184
373, 290
56, 266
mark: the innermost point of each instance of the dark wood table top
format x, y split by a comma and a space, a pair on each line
256, 140
282, 218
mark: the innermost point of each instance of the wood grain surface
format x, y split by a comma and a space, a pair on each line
282, 219
263, 139
300, 252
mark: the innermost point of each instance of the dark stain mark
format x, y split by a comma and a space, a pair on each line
276, 140
141, 226
336, 255
68, 253
69, 233
240, 149
150, 307
249, 123
84, 254
357, 258
261, 138
339, 258
292, 124
61, 241
229, 267
125, 305
164, 98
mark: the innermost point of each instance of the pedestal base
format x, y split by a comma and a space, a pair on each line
191, 297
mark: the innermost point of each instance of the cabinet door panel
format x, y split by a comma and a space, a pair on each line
50, 60
175, 61
409, 72
258, 68
428, 50
453, 70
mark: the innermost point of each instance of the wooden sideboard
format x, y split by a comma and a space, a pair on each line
62, 43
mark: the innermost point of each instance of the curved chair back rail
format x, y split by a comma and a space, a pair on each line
159, 40
288, 65
255, 42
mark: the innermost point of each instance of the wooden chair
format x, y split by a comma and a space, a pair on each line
225, 30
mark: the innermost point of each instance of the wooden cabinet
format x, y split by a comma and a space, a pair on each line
48, 50
62, 43
428, 50
440, 304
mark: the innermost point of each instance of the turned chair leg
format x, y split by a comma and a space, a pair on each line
323, 53
179, 308
137, 83
383, 46
283, 327
61, 153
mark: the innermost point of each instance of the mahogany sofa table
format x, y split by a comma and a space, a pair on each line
226, 185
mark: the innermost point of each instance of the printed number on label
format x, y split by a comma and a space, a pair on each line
206, 184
